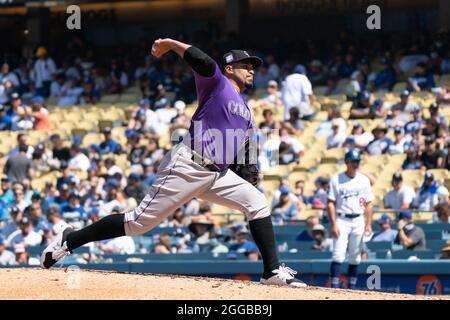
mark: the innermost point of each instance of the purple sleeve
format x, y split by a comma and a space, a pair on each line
207, 85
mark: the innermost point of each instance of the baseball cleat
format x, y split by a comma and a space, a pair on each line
56, 250
284, 276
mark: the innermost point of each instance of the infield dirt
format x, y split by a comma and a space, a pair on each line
104, 285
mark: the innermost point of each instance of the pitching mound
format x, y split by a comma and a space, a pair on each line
61, 284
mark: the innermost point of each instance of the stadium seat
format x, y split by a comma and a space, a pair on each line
408, 254
379, 245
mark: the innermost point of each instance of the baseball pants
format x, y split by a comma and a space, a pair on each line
350, 239
180, 179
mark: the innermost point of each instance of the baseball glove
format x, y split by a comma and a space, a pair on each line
248, 172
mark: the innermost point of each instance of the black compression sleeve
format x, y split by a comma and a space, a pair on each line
200, 62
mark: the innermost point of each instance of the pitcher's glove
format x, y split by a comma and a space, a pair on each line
248, 172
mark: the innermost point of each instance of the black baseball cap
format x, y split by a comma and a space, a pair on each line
239, 55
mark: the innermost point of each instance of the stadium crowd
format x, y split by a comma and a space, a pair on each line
28, 85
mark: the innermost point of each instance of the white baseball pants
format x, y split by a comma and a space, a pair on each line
180, 179
350, 239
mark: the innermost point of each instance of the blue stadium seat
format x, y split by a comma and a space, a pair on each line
436, 244
405, 254
37, 250
305, 255
379, 245
300, 245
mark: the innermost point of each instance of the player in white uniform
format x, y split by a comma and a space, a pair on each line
350, 212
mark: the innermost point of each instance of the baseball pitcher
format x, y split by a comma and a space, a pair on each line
205, 164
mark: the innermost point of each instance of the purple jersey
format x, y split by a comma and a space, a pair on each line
222, 122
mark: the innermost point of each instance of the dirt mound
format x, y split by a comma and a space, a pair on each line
84, 284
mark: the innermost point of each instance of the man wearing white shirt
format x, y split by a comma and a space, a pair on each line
297, 93
25, 235
401, 197
7, 258
337, 138
44, 70
79, 161
10, 76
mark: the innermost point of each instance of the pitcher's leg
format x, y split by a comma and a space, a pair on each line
232, 191
176, 185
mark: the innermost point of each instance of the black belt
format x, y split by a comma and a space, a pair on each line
348, 215
205, 163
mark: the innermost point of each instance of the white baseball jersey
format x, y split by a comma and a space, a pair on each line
350, 194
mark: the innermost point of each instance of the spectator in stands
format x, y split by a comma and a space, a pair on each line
153, 152
337, 138
179, 219
12, 223
271, 98
358, 137
7, 258
268, 123
405, 105
333, 115
90, 94
135, 151
23, 257
115, 198
164, 244
386, 233
35, 213
361, 108
380, 144
118, 78
202, 230
5, 119
73, 213
322, 242
19, 166
443, 97
149, 176
54, 217
320, 198
7, 75
445, 253
400, 142
262, 77
70, 93
356, 86
25, 234
332, 87
401, 196
109, 145
47, 235
432, 130
19, 196
386, 77
181, 238
242, 244
345, 69
285, 209
440, 119
422, 80
22, 141
78, 160
429, 194
308, 234
316, 75
441, 214
7, 196
410, 236
120, 245
44, 71
290, 148
40, 115
160, 101
57, 84
19, 113
432, 158
60, 152
136, 188
61, 199
294, 125
297, 93
300, 197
